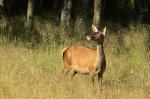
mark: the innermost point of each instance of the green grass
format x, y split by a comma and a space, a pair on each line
29, 72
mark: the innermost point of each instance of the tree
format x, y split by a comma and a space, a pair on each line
1, 3
132, 2
139, 10
30, 15
97, 12
66, 16
1, 6
56, 9
80, 15
103, 6
148, 1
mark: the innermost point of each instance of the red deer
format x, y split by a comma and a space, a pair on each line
86, 60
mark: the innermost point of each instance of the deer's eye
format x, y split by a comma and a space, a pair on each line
94, 32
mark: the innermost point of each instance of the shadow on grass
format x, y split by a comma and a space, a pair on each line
14, 30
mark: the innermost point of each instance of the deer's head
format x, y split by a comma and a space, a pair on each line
97, 35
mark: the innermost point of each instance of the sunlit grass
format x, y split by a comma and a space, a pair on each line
29, 72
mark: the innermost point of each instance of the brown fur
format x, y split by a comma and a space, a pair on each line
75, 57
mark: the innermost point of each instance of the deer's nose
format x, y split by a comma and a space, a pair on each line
88, 38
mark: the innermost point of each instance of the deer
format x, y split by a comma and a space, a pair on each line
86, 60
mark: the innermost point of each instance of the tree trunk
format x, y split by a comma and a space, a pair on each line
1, 7
81, 14
139, 10
103, 10
132, 2
57, 9
30, 15
97, 12
1, 3
148, 7
66, 17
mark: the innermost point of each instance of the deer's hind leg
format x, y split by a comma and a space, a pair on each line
67, 68
74, 73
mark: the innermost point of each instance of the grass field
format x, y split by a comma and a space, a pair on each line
33, 73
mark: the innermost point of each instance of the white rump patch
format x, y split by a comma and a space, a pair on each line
64, 50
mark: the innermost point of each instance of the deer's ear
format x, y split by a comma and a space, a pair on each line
104, 30
94, 28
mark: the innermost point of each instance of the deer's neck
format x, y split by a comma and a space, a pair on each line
100, 49
100, 54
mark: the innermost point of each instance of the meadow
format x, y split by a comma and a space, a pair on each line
31, 68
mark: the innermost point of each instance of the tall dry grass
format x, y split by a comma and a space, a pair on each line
29, 72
